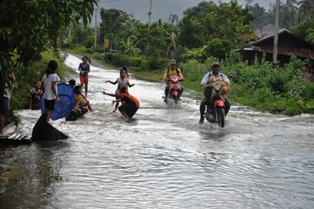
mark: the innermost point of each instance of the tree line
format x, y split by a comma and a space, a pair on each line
208, 29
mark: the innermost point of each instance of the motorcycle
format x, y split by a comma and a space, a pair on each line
217, 113
175, 89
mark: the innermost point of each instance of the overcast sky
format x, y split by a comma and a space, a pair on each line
161, 9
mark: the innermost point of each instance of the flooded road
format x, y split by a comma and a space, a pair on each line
164, 158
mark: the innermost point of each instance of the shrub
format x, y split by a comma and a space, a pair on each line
144, 65
155, 64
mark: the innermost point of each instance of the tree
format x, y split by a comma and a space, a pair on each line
173, 19
115, 24
83, 35
29, 27
218, 48
304, 29
288, 13
208, 20
153, 42
191, 33
261, 17
306, 9
272, 11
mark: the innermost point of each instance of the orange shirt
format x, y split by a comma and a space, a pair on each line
129, 99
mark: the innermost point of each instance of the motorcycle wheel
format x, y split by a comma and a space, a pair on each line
175, 98
220, 114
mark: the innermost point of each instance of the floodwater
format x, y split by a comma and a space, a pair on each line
164, 158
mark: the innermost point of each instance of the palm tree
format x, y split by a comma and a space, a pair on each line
306, 9
288, 13
173, 19
271, 11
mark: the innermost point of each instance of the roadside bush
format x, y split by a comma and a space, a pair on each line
98, 56
160, 63
89, 51
144, 65
27, 77
134, 61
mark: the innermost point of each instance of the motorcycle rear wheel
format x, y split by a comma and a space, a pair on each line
220, 114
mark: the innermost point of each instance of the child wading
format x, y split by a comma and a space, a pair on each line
84, 69
130, 104
122, 81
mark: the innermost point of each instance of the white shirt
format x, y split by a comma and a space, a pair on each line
52, 78
122, 83
208, 76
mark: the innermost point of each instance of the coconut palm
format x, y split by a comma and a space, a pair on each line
306, 9
272, 11
288, 13
173, 19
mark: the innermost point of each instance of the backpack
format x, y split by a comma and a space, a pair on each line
178, 72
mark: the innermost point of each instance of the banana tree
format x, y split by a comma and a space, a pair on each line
130, 46
195, 53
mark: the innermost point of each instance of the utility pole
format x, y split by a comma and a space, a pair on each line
150, 13
95, 44
275, 50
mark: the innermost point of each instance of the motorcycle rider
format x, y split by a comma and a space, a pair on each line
173, 70
215, 75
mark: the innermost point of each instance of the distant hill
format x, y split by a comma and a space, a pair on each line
161, 9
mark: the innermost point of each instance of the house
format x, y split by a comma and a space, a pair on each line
288, 45
265, 31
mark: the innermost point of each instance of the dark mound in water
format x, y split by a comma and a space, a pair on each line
44, 131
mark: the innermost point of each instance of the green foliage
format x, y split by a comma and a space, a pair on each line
79, 50
153, 41
218, 48
115, 25
26, 77
261, 17
31, 27
197, 53
155, 64
303, 29
208, 20
129, 47
310, 37
80, 35
144, 64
